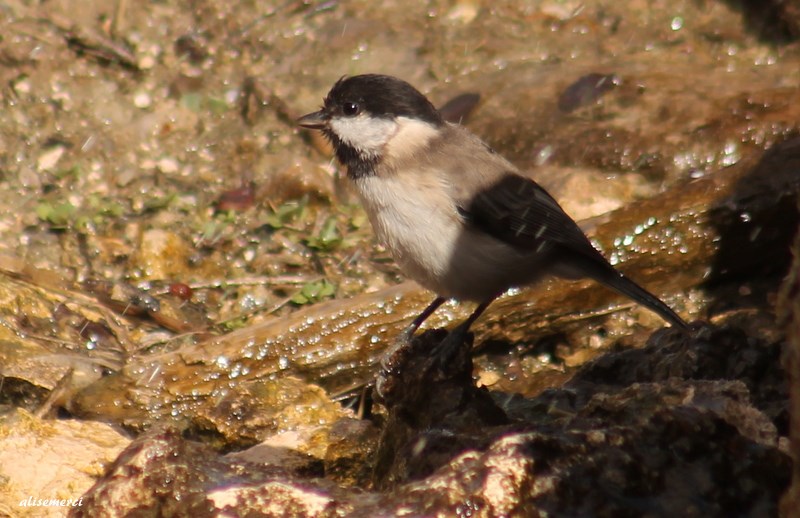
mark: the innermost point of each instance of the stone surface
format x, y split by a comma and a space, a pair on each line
51, 460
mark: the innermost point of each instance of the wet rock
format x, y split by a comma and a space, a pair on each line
645, 440
435, 410
654, 426
669, 132
58, 344
162, 255
161, 464
760, 213
157, 466
349, 456
776, 21
670, 458
587, 193
250, 412
586, 90
711, 354
459, 108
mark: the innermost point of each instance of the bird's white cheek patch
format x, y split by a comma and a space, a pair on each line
367, 135
411, 135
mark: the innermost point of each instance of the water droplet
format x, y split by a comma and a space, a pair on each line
544, 155
730, 153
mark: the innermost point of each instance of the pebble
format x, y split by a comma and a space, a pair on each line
142, 100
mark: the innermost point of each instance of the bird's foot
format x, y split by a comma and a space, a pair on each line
416, 362
392, 361
402, 341
450, 349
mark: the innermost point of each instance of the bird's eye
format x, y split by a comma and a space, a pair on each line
351, 109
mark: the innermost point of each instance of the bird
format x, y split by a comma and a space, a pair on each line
457, 217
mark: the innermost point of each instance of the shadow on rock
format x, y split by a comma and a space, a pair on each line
435, 410
772, 21
712, 354
682, 427
756, 225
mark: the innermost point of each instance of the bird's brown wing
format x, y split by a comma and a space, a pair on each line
518, 211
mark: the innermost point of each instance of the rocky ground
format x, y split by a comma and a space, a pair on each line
193, 305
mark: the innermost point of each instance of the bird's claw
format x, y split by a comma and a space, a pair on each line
448, 349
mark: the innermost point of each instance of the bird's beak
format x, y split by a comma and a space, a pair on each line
317, 120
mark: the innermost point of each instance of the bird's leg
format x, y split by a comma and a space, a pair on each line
391, 363
448, 347
407, 334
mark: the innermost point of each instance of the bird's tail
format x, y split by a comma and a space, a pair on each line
602, 272
627, 287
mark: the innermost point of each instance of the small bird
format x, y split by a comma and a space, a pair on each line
457, 217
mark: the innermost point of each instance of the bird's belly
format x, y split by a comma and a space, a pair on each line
420, 241
432, 246
482, 267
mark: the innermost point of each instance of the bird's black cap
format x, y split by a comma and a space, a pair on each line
381, 96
